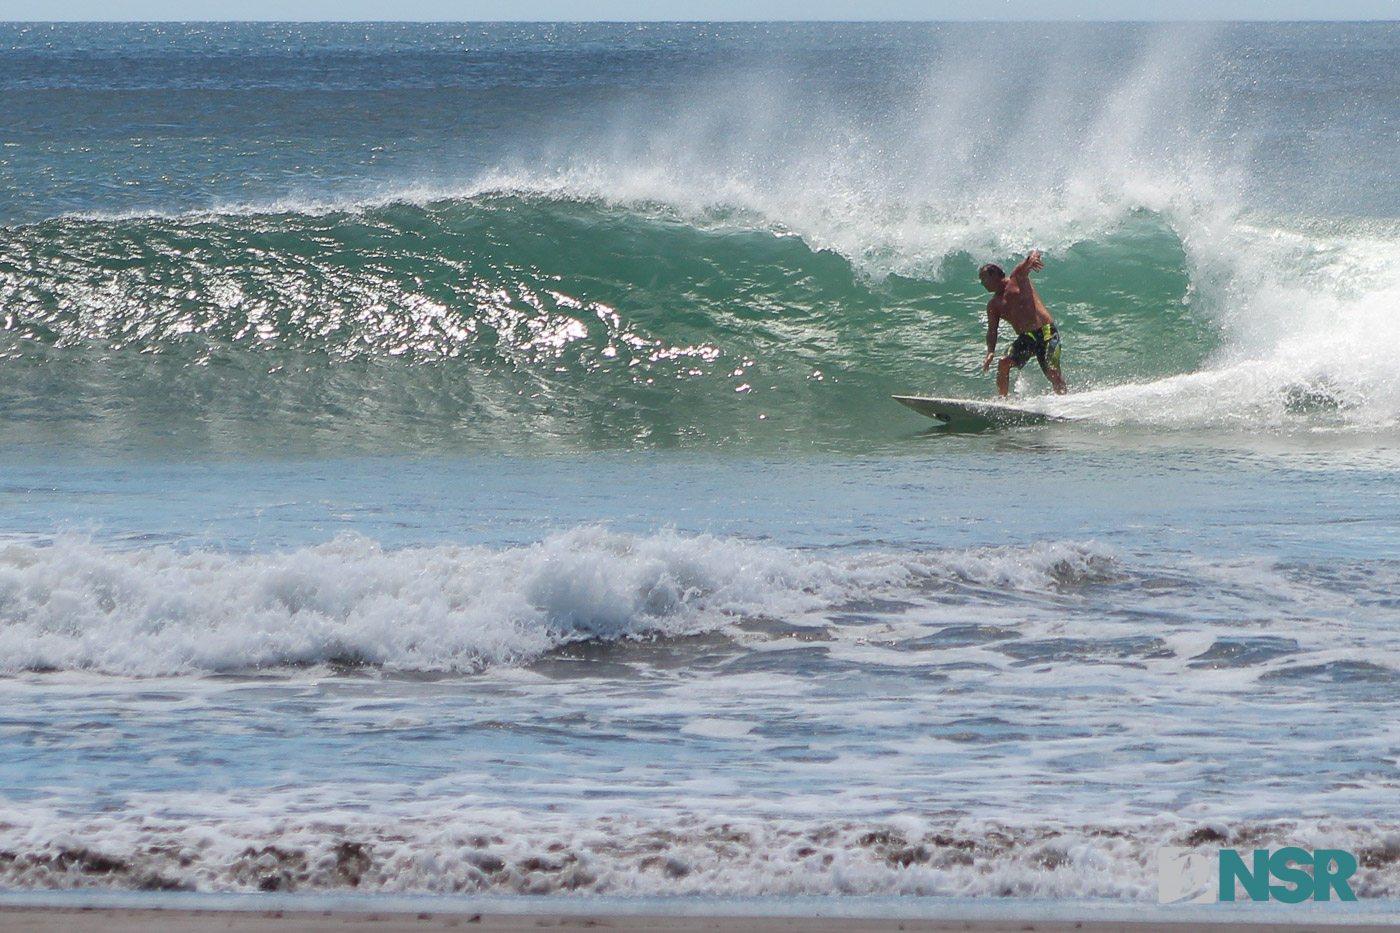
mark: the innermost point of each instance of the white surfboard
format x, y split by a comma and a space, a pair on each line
972, 413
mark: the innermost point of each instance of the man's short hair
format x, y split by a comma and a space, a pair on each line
992, 269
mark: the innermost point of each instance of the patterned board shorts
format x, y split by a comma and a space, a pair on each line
1043, 343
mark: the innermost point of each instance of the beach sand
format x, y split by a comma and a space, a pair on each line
121, 920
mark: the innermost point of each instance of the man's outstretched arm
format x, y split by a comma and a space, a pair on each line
1032, 263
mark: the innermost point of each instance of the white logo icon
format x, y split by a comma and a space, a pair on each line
1184, 877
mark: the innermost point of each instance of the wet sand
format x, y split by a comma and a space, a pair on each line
122, 920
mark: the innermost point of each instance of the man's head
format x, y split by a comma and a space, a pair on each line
991, 276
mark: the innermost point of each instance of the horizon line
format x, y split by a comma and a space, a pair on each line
679, 22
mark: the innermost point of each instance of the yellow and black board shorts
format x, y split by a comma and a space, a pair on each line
1043, 343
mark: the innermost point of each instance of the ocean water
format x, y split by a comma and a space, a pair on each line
458, 459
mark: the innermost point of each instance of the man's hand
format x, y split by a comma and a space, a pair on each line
987, 363
1023, 270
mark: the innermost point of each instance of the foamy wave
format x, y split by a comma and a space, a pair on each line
159, 611
1296, 304
75, 606
509, 852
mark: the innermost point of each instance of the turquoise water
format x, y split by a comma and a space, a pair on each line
458, 459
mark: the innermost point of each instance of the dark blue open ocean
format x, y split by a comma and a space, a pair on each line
458, 459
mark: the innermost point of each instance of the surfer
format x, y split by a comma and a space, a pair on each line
1014, 300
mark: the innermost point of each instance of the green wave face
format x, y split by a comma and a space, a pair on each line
505, 321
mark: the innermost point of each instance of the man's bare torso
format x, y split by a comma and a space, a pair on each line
1019, 306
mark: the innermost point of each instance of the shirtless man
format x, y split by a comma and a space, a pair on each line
1014, 300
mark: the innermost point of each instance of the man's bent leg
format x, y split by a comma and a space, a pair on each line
1004, 375
1050, 365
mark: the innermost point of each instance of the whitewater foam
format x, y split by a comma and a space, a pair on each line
158, 611
493, 852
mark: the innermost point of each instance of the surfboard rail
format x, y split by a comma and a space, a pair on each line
974, 413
